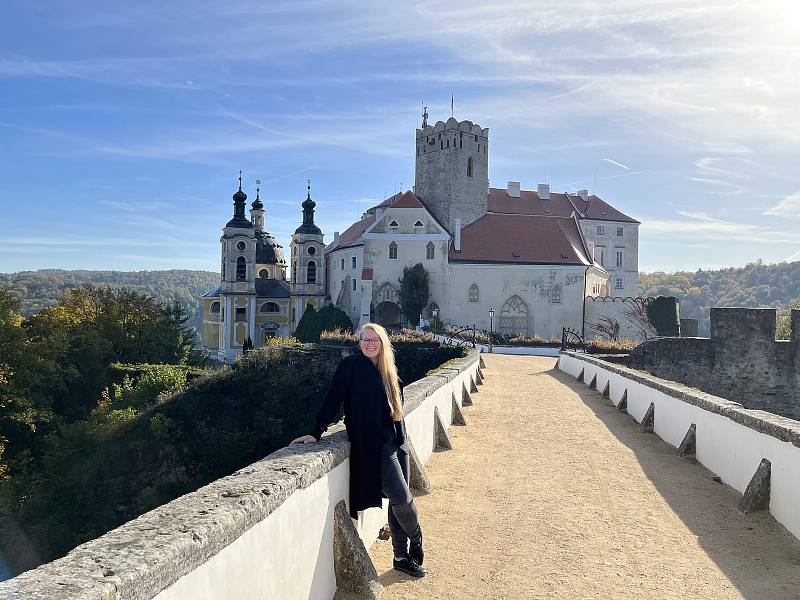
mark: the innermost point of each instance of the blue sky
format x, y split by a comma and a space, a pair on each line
123, 125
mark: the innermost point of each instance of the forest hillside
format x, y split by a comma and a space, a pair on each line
37, 290
751, 286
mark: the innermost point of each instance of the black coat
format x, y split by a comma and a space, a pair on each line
358, 384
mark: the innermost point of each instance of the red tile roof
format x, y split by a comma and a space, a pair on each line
407, 200
559, 205
524, 239
352, 235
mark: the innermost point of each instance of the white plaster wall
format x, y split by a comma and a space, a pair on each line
727, 448
289, 554
532, 283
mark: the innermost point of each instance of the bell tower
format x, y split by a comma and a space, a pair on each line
308, 264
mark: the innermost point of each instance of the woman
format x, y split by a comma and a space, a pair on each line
368, 385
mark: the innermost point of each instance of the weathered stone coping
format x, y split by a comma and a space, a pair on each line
782, 428
144, 556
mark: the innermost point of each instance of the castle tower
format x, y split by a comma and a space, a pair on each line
452, 170
308, 264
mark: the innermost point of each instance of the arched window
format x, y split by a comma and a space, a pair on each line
311, 272
393, 251
429, 251
418, 224
241, 269
469, 167
269, 307
474, 293
214, 308
241, 246
394, 224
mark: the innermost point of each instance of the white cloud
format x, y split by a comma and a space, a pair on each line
788, 207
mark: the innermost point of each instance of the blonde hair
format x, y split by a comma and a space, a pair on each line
388, 369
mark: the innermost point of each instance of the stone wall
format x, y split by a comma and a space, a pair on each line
741, 361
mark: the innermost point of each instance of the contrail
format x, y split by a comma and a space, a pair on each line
613, 162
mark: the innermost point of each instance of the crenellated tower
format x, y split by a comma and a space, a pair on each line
452, 170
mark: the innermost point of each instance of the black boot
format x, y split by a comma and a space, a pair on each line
415, 549
408, 565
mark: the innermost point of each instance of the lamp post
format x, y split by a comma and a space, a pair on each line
491, 328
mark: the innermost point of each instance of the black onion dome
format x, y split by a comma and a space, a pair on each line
239, 220
308, 225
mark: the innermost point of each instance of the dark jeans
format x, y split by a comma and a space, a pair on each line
403, 519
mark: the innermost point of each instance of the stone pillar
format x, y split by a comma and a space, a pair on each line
795, 325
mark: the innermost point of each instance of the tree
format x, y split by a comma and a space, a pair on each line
414, 291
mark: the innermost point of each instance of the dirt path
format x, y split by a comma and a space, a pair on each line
550, 492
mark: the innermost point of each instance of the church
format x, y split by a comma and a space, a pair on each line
532, 257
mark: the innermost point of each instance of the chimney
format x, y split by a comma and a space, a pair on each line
584, 194
543, 190
335, 237
513, 189
457, 242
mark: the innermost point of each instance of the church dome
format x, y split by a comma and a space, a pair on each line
268, 251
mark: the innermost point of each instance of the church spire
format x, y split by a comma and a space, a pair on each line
308, 225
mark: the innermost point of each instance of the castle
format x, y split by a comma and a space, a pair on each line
533, 257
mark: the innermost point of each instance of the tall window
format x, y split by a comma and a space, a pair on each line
555, 294
600, 255
474, 293
354, 285
354, 262
619, 259
619, 232
429, 251
342, 265
241, 269
393, 251
311, 272
469, 167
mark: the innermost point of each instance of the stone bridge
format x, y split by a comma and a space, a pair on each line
535, 477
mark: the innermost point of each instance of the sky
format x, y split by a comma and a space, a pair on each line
123, 125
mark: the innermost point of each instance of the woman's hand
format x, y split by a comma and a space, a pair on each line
304, 439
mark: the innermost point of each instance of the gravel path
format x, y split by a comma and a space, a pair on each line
550, 492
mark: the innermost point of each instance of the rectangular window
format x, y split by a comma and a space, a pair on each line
619, 232
342, 264
619, 259
601, 230
555, 294
354, 262
619, 283
599, 255
354, 285
241, 314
